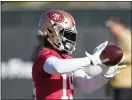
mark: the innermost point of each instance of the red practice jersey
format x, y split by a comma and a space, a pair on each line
50, 86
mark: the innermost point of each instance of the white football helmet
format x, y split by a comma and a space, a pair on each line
59, 28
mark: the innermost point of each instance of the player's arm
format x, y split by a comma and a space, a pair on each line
54, 65
89, 84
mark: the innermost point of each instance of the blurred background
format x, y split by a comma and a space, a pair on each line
96, 22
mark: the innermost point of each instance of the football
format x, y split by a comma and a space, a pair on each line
111, 55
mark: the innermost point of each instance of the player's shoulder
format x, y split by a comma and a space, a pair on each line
51, 52
44, 54
47, 51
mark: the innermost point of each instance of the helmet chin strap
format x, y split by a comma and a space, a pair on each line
61, 47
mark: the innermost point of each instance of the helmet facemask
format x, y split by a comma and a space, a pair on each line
65, 39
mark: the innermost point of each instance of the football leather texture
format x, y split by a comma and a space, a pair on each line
111, 55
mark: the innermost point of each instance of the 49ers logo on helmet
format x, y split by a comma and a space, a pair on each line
56, 16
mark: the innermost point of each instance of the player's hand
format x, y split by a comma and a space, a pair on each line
111, 71
97, 51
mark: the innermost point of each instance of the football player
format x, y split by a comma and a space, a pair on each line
55, 74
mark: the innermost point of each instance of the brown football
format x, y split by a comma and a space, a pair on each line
111, 55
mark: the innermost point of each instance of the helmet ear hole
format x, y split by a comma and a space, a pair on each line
49, 30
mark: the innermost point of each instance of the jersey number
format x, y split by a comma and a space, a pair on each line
64, 84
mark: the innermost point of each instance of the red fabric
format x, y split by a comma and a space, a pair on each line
49, 86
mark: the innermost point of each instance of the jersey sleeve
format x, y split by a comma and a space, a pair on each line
44, 56
41, 58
